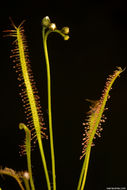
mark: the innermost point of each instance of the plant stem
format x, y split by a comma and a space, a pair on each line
28, 153
84, 170
49, 106
30, 168
44, 164
26, 182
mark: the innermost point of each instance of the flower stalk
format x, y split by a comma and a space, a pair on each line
48, 28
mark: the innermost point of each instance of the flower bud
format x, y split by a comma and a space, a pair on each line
65, 30
26, 175
46, 21
52, 26
66, 37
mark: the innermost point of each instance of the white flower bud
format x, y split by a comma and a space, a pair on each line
26, 175
52, 26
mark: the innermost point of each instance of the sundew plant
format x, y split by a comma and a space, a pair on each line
35, 129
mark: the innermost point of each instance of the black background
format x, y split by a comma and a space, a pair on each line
79, 68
